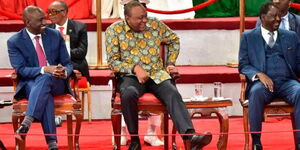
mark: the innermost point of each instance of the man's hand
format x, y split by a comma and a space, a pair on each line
264, 79
171, 68
141, 74
58, 71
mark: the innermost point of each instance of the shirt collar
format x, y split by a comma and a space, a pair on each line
286, 17
64, 25
264, 31
32, 36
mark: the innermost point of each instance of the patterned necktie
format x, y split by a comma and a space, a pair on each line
61, 30
271, 39
40, 52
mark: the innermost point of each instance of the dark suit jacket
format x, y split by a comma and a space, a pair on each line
252, 53
24, 60
78, 43
294, 22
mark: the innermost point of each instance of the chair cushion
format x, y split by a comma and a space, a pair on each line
147, 97
65, 98
82, 83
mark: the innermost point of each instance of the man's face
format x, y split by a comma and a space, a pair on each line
137, 18
56, 13
283, 6
272, 19
36, 22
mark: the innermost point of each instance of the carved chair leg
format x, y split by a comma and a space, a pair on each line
89, 106
187, 144
294, 127
166, 131
224, 127
79, 118
116, 123
246, 128
174, 147
70, 131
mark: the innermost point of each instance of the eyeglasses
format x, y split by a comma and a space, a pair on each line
53, 12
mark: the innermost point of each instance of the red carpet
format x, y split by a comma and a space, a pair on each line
96, 136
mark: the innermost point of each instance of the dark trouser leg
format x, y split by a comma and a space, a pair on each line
169, 95
41, 104
290, 91
130, 90
259, 96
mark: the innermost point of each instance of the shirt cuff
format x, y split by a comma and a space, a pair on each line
254, 78
42, 70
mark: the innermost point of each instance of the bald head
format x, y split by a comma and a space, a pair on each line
34, 19
29, 10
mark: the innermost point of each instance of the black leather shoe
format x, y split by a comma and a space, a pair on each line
298, 147
53, 149
199, 141
20, 133
134, 146
257, 147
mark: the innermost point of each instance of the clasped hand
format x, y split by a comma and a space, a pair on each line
58, 71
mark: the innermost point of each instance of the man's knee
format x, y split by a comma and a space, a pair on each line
257, 89
129, 93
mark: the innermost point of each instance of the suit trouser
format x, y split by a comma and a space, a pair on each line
40, 94
259, 96
166, 92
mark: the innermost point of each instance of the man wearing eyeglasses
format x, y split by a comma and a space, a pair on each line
73, 32
75, 36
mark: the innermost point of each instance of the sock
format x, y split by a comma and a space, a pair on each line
52, 145
256, 138
135, 139
188, 131
27, 121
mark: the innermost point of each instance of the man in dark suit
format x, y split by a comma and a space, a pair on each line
289, 20
74, 33
39, 56
270, 58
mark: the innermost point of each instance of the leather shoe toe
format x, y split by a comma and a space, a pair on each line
21, 131
199, 141
257, 147
134, 146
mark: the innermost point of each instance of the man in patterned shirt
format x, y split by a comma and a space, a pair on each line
132, 47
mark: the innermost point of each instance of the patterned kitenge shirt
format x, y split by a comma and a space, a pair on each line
126, 48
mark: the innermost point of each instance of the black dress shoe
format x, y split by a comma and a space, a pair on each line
134, 146
257, 147
20, 133
53, 149
199, 141
298, 147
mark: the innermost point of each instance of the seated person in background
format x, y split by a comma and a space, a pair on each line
270, 58
39, 56
289, 20
75, 35
132, 47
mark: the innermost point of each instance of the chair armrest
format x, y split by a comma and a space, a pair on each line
14, 78
76, 77
243, 100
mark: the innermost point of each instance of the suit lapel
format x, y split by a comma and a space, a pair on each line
283, 43
47, 46
30, 47
259, 47
70, 27
292, 22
